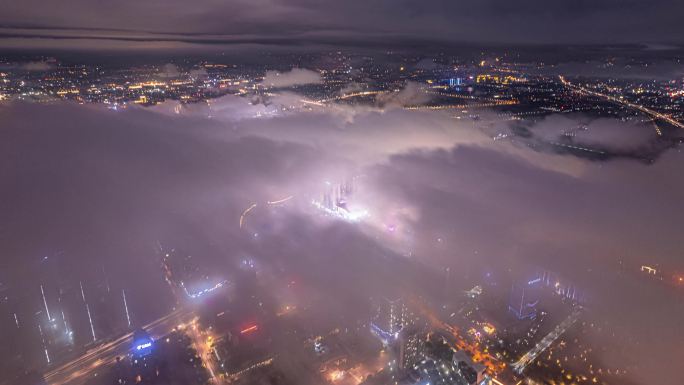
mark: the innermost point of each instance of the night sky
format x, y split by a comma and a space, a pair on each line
168, 23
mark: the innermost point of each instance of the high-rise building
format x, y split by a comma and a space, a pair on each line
473, 373
411, 347
389, 318
456, 82
562, 286
524, 299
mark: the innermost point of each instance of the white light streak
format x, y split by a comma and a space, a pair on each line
128, 318
45, 303
244, 213
66, 327
279, 201
90, 319
82, 293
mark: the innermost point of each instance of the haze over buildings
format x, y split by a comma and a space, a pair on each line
283, 192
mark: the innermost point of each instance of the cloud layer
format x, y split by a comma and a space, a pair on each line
294, 77
96, 182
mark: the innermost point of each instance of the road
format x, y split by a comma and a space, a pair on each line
81, 369
202, 343
648, 111
452, 335
529, 357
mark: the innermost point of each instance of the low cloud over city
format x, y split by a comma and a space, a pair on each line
299, 192
103, 187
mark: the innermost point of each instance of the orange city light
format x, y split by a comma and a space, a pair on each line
249, 329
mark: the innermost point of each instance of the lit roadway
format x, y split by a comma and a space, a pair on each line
452, 335
520, 365
202, 342
83, 368
648, 111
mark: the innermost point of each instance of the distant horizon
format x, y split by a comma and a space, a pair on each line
105, 40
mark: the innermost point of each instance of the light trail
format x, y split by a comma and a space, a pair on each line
352, 95
279, 201
42, 337
254, 205
464, 106
82, 369
66, 327
244, 213
648, 111
128, 318
80, 283
249, 329
79, 370
90, 319
459, 96
324, 102
45, 303
577, 148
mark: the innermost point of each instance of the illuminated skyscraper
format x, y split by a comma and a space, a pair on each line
389, 319
524, 299
411, 347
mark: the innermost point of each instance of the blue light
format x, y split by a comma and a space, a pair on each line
204, 291
144, 346
532, 282
142, 343
385, 336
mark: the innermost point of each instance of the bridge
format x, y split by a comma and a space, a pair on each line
529, 357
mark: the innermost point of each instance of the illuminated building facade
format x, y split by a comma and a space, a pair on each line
411, 347
389, 319
524, 299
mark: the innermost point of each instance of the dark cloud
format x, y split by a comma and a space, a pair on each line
528, 21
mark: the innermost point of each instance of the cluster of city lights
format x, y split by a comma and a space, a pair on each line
204, 291
341, 213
